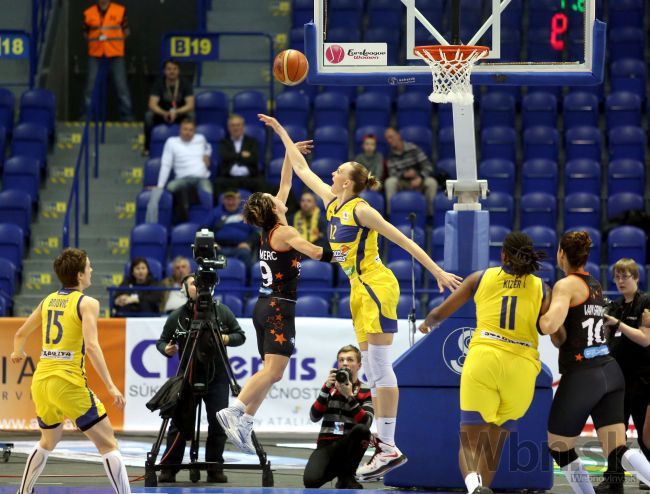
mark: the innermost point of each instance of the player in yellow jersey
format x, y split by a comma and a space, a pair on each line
352, 231
68, 321
498, 378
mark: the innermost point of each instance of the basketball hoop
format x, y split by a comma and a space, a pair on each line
451, 68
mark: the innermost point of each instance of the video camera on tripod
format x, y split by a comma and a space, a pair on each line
208, 261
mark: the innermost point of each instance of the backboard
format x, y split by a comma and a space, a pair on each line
532, 42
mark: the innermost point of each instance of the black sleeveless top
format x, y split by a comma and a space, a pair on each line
585, 345
280, 269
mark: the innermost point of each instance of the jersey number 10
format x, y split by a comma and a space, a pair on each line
53, 320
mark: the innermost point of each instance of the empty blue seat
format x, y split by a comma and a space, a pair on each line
292, 108
540, 13
7, 106
583, 142
406, 202
414, 109
249, 104
625, 42
539, 175
501, 207
499, 142
331, 109
297, 40
581, 209
7, 280
622, 108
626, 13
497, 236
547, 273
538, 208
211, 107
396, 253
617, 204
302, 11
441, 204
159, 135
629, 75
500, 175
626, 242
375, 199
181, 239
381, 34
155, 269
213, 133
30, 139
314, 276
497, 110
233, 275
544, 239
12, 244
331, 142
582, 175
421, 136
22, 173
16, 208
151, 172
625, 176
274, 171
164, 208
350, 92
448, 167
434, 302
437, 250
345, 13
596, 240
445, 112
249, 306
580, 110
405, 305
626, 142
324, 167
539, 109
296, 132
344, 34
539, 48
378, 132
446, 149
38, 106
343, 308
594, 270
541, 143
312, 306
149, 240
385, 13
372, 109
643, 281
402, 271
233, 302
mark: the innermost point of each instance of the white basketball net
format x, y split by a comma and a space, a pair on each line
451, 75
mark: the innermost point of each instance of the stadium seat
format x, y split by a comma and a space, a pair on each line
628, 75
622, 108
620, 203
164, 208
296, 132
541, 143
385, 13
22, 173
547, 272
249, 306
388, 90
375, 199
626, 13
581, 209
200, 213
497, 236
302, 11
378, 132
594, 270
151, 172
440, 206
312, 306
259, 134
249, 104
7, 107
626, 242
232, 301
434, 302
626, 142
30, 139
343, 308
406, 202
539, 48
331, 109
38, 106
414, 109
314, 276
3, 146
274, 171
501, 208
155, 269
596, 240
543, 238
499, 142
292, 108
448, 167
539, 175
580, 109
331, 142
497, 110
159, 135
625, 42
7, 280
405, 304
540, 13
539, 109
211, 107
446, 149
345, 13
625, 176
233, 275
437, 250
445, 113
16, 208
643, 280
583, 143
396, 253
350, 92
213, 133
324, 167
500, 175
297, 42
372, 109
421, 136
538, 209
582, 175
12, 244
149, 240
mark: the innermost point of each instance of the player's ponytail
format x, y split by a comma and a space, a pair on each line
520, 256
258, 211
362, 178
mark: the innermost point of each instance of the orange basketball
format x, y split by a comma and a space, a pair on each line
290, 67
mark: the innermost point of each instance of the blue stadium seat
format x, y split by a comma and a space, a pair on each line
211, 107
445, 113
501, 207
625, 42
296, 132
312, 306
350, 92
22, 173
372, 109
414, 109
274, 171
622, 108
343, 308
539, 175
38, 106
309, 90
159, 135
324, 167
421, 136
297, 41
544, 238
7, 280
314, 276
539, 109
232, 301
594, 270
405, 304
581, 209
331, 109
446, 149
643, 280
259, 134
12, 244
250, 304
497, 236
434, 302
375, 199
164, 208
331, 142
233, 275
617, 204
583, 143
626, 242
626, 142
292, 108
625, 176
199, 213
500, 175
628, 75
547, 272
155, 269
405, 202
541, 143
582, 175
402, 271
539, 48
149, 240
381, 34
440, 206
343, 34
497, 110
345, 13
396, 253
499, 142
3, 146
626, 13
437, 250
388, 90
385, 13
378, 132
7, 107
151, 172
16, 208
249, 104
213, 133
540, 13
302, 11
448, 167
30, 139
538, 209
580, 110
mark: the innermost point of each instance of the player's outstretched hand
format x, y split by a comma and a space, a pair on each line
305, 147
17, 357
448, 280
270, 122
118, 398
427, 325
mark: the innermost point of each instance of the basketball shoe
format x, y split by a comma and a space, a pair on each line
385, 459
245, 431
229, 420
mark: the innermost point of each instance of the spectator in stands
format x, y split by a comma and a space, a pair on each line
171, 99
372, 159
133, 301
105, 28
188, 155
173, 299
239, 165
235, 237
309, 220
408, 169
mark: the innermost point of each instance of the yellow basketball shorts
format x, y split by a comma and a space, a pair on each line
56, 398
497, 385
373, 303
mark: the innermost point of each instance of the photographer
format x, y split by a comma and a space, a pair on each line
212, 374
345, 406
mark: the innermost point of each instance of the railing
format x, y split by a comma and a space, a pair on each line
40, 13
96, 113
202, 7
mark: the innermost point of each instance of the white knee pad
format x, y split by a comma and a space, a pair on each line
382, 368
365, 368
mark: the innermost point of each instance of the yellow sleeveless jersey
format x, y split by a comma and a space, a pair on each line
354, 246
63, 352
507, 309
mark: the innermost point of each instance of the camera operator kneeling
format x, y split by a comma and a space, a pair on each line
213, 375
345, 406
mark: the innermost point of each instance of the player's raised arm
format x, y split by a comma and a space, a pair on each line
286, 173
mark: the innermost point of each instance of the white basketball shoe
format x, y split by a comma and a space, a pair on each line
229, 419
385, 459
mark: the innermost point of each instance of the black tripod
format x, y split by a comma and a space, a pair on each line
206, 327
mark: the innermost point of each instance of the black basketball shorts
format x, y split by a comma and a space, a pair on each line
275, 324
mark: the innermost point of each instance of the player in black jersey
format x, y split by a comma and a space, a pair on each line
592, 382
274, 315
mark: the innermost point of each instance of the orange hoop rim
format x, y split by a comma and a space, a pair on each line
443, 52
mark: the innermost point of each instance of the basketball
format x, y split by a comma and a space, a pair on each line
290, 67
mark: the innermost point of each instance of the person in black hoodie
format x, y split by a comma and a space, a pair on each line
132, 301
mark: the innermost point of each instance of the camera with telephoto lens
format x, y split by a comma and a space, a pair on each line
344, 376
208, 261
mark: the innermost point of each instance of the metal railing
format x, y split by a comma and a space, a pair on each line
40, 13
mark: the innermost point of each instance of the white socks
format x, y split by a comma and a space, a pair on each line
578, 477
238, 406
636, 463
386, 430
472, 481
116, 472
33, 468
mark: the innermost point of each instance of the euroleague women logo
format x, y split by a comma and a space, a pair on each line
455, 347
335, 54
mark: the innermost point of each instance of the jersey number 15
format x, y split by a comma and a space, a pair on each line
53, 320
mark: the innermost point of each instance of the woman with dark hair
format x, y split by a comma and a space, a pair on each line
353, 228
592, 382
136, 301
498, 378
